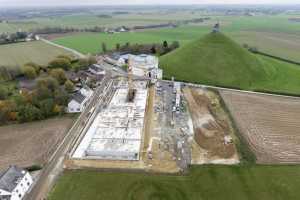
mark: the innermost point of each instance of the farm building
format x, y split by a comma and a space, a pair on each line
80, 100
142, 65
116, 132
14, 183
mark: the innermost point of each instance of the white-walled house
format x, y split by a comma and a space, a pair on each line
80, 100
14, 183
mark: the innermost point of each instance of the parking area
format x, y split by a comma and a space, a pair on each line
170, 140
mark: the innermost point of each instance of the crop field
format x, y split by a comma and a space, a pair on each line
284, 45
31, 143
270, 124
202, 183
20, 53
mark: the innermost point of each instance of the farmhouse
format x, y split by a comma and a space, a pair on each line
14, 183
80, 100
142, 65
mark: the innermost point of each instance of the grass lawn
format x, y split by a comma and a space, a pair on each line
20, 53
202, 183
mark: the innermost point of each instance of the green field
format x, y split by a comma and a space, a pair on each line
272, 34
202, 183
91, 42
18, 54
217, 60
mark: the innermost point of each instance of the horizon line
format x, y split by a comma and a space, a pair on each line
149, 4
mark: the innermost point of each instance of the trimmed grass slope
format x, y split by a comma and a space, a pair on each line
217, 60
202, 183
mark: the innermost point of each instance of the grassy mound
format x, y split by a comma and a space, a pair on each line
217, 60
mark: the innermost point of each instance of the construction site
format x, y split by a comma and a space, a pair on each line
116, 132
143, 123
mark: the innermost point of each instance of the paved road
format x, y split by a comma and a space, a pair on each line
54, 167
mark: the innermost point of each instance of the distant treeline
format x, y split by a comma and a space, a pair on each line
53, 30
197, 20
155, 26
13, 37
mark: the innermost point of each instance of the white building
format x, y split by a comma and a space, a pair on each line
14, 183
142, 65
80, 100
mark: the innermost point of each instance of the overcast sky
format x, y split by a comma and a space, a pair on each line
132, 2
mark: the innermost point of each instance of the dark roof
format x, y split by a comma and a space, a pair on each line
97, 68
9, 179
78, 97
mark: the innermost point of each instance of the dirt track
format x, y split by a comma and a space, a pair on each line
269, 123
31, 143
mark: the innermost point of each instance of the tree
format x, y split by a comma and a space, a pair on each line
34, 65
46, 107
60, 63
69, 86
5, 73
174, 45
58, 109
246, 46
28, 113
59, 75
61, 97
104, 48
29, 72
118, 46
6, 109
153, 49
42, 92
165, 44
49, 82
3, 93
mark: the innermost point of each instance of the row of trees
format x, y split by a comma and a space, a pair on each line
6, 38
53, 30
159, 49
